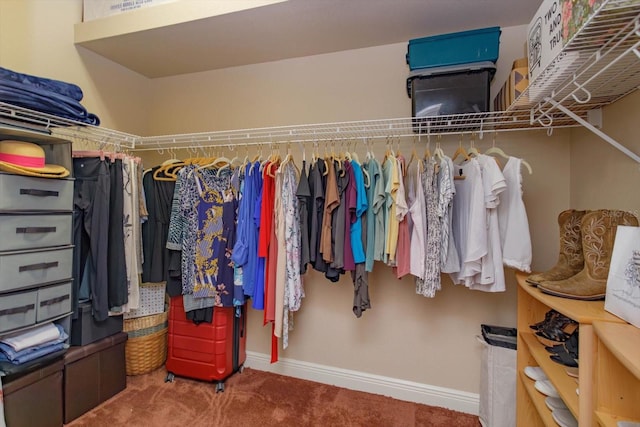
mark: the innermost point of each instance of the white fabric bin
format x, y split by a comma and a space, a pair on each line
497, 386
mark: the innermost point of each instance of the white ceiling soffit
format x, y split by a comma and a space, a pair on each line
292, 28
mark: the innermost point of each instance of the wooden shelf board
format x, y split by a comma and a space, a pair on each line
580, 311
538, 400
623, 341
609, 420
565, 384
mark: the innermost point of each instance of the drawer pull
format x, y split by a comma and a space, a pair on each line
54, 300
17, 310
40, 266
33, 230
38, 193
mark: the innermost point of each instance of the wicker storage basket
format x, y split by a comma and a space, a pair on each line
146, 348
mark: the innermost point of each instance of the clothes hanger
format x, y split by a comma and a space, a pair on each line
460, 151
498, 151
473, 151
326, 164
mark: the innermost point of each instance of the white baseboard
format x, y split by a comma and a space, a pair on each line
410, 391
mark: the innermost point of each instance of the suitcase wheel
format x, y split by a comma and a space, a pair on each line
169, 378
220, 387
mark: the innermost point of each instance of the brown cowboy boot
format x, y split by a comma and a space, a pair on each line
570, 260
598, 235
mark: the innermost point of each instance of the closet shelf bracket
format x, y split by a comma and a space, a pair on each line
594, 129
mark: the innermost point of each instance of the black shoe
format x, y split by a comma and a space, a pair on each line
565, 359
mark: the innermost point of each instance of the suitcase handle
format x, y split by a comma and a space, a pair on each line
54, 300
33, 230
38, 193
17, 310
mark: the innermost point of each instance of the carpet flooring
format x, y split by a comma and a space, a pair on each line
258, 398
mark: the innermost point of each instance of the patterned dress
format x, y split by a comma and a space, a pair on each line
431, 283
293, 289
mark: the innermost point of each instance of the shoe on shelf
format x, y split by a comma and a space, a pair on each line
535, 373
565, 359
573, 372
545, 387
564, 418
552, 320
554, 403
559, 333
571, 345
598, 230
548, 317
570, 259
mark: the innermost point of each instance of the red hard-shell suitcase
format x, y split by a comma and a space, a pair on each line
207, 351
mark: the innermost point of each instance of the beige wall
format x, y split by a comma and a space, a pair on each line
405, 336
36, 37
603, 177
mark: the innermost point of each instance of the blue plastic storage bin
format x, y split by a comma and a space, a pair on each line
454, 48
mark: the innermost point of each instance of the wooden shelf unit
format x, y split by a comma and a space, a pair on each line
617, 373
532, 307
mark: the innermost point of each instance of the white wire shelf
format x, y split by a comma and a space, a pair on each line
19, 117
597, 67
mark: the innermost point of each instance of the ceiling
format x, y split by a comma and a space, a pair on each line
296, 28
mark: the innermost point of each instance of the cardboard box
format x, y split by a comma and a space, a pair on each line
513, 87
95, 9
552, 27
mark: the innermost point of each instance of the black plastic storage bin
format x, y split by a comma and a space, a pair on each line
450, 90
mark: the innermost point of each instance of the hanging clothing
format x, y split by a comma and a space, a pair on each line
293, 289
350, 200
449, 257
259, 278
159, 196
338, 224
403, 249
418, 212
303, 193
225, 278
267, 249
392, 182
130, 226
209, 235
237, 186
358, 227
375, 219
512, 217
332, 202
431, 283
91, 190
118, 295
469, 222
317, 183
491, 278
358, 231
